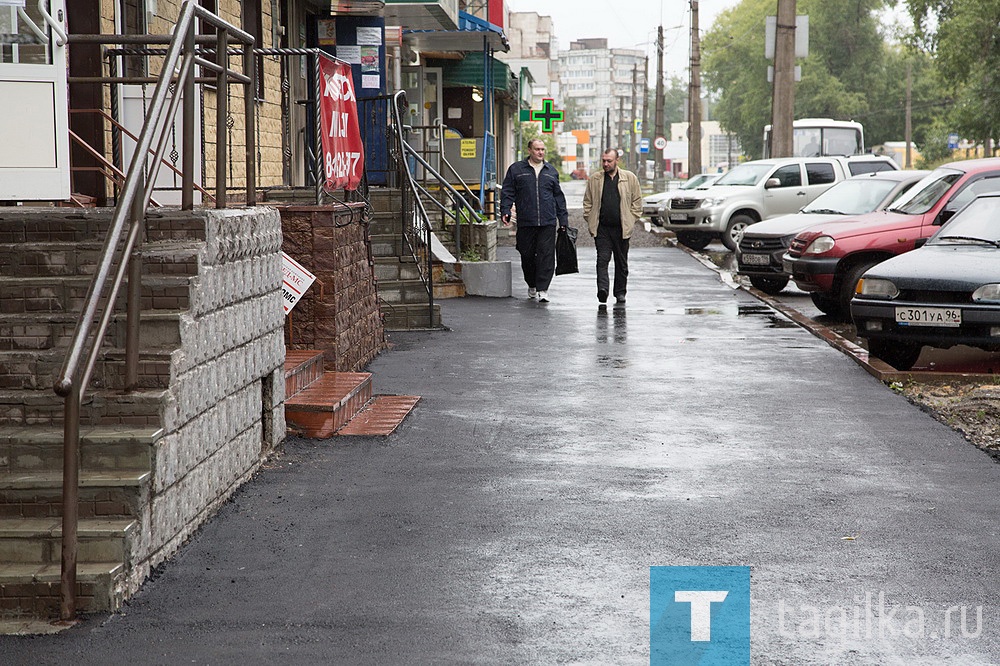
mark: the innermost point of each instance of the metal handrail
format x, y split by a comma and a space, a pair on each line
74, 377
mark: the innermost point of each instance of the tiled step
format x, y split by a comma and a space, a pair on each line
33, 589
66, 293
410, 316
38, 540
26, 450
402, 291
328, 403
75, 225
302, 368
44, 330
63, 259
387, 245
24, 407
396, 268
381, 416
35, 369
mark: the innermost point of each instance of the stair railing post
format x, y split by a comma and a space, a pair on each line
133, 305
249, 101
187, 177
221, 116
70, 509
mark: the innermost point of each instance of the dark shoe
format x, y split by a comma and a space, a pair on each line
619, 300
602, 296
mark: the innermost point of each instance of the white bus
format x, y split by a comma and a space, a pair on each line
815, 137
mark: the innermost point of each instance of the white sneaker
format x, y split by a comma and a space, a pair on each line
543, 297
532, 293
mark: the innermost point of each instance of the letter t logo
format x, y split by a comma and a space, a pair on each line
701, 610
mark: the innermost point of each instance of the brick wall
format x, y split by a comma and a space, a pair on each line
340, 313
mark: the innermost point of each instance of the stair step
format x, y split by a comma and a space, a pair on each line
410, 316
88, 479
45, 330
66, 293
33, 589
26, 407
381, 416
328, 403
302, 368
38, 540
402, 291
36, 369
396, 268
57, 259
104, 448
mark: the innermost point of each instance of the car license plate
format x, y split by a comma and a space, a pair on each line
678, 217
755, 259
929, 317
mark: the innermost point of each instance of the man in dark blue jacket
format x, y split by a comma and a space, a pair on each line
533, 186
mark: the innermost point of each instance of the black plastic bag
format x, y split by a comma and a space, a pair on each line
566, 251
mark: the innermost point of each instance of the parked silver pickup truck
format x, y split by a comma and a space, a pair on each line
755, 191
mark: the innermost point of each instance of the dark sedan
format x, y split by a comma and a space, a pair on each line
943, 294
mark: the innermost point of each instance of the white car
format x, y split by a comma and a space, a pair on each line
653, 205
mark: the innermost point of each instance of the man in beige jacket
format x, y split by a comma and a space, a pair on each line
612, 203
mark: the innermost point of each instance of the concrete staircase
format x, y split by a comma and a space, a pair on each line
154, 462
44, 275
402, 293
322, 404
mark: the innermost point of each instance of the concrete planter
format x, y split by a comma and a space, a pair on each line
479, 236
486, 278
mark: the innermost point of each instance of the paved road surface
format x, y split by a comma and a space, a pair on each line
558, 452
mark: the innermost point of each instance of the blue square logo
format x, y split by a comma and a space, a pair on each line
699, 616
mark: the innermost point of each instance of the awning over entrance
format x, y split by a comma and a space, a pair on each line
469, 37
469, 72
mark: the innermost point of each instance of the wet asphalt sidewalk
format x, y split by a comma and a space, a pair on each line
559, 450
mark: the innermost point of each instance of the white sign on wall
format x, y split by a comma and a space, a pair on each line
295, 280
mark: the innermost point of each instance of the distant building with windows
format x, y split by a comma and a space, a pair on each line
597, 88
720, 150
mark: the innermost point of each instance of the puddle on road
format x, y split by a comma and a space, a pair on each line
774, 319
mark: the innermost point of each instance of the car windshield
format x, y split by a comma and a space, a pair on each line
701, 180
745, 174
851, 197
976, 223
922, 196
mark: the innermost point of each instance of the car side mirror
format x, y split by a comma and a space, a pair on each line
771, 183
920, 242
945, 215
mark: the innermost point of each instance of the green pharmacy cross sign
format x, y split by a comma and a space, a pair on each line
547, 116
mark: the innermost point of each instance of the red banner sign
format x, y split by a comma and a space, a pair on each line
343, 152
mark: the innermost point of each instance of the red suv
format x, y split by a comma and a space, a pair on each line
828, 259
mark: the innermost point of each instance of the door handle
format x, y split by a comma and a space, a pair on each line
55, 25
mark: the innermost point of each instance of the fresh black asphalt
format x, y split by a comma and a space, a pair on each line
560, 450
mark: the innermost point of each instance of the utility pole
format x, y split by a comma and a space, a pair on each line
658, 128
783, 97
694, 97
645, 114
621, 122
633, 152
607, 128
908, 163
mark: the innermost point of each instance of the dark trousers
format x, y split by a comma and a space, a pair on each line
537, 246
610, 243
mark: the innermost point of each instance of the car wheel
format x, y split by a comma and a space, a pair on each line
849, 284
769, 285
734, 231
696, 240
825, 303
900, 355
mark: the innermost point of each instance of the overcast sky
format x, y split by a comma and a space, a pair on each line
629, 23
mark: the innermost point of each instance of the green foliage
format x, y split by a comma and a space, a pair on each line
465, 216
852, 72
531, 131
470, 255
